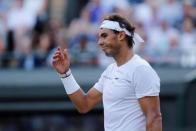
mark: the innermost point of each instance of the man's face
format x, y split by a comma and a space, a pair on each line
108, 42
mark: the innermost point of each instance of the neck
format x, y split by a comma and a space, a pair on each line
123, 56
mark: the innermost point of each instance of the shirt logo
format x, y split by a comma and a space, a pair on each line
116, 78
106, 77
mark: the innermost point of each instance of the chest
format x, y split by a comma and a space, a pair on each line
117, 85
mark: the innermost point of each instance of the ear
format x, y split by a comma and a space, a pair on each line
121, 36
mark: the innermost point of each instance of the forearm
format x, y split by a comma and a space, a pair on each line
79, 99
154, 124
84, 102
61, 63
75, 93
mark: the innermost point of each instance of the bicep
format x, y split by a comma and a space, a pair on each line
150, 105
151, 109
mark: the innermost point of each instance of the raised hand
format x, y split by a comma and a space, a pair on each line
61, 61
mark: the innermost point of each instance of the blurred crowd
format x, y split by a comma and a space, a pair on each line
29, 35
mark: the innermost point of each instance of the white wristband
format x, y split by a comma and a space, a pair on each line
70, 84
65, 75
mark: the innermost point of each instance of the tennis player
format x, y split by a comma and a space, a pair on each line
128, 88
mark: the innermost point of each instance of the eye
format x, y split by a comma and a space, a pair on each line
104, 35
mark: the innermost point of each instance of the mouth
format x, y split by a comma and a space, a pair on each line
104, 48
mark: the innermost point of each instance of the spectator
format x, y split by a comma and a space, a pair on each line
171, 11
159, 42
42, 50
81, 25
188, 44
84, 52
25, 55
143, 13
96, 11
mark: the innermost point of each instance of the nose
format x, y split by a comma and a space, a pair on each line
100, 42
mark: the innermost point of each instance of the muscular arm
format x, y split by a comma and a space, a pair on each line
84, 102
151, 108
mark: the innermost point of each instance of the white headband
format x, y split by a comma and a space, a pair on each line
113, 25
